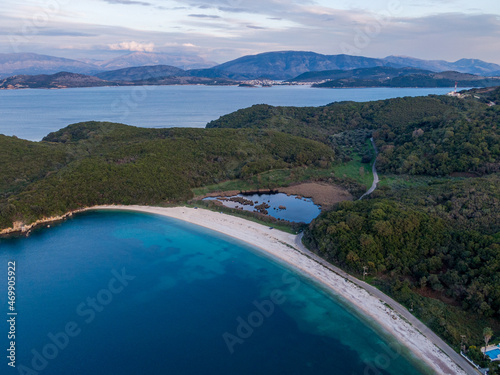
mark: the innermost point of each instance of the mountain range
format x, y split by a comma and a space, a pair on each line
286, 65
381, 72
289, 64
283, 65
394, 77
168, 75
63, 80
32, 63
471, 66
409, 78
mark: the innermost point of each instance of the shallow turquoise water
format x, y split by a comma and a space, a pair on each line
142, 294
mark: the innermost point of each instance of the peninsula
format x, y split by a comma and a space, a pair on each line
427, 236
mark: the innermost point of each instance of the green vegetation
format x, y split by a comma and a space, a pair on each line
429, 235
434, 247
272, 179
414, 80
383, 76
359, 168
418, 136
356, 170
102, 163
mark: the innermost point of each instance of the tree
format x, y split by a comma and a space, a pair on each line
487, 333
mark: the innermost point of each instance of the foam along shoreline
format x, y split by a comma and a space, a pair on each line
284, 248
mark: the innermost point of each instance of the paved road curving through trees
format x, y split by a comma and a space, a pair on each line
374, 171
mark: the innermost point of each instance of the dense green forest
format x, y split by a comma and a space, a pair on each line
434, 135
440, 241
102, 163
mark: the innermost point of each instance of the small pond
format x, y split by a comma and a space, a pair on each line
280, 206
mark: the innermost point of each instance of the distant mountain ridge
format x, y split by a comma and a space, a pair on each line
285, 65
143, 77
169, 75
281, 65
472, 66
53, 81
139, 73
382, 72
34, 64
394, 77
135, 59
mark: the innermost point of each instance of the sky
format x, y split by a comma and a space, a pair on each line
221, 30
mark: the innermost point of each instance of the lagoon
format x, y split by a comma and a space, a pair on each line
32, 114
281, 206
156, 295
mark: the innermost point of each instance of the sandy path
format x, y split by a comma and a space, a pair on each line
288, 249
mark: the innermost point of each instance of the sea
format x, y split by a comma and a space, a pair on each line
129, 293
32, 114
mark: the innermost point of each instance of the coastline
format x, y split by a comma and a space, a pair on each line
24, 229
287, 249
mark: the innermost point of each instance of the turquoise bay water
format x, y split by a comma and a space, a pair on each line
297, 209
32, 114
143, 294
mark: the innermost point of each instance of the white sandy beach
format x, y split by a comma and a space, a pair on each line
283, 246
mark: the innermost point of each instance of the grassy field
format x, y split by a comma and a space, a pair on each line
406, 181
355, 169
269, 180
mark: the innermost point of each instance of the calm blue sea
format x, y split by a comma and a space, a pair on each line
128, 293
32, 114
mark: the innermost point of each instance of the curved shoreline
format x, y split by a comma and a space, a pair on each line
288, 249
19, 228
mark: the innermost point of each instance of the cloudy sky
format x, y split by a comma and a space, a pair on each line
220, 30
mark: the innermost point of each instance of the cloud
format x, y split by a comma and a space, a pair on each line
59, 33
128, 2
236, 6
203, 16
132, 46
260, 26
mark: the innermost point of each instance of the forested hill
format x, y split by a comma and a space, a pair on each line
440, 240
384, 76
102, 163
434, 135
